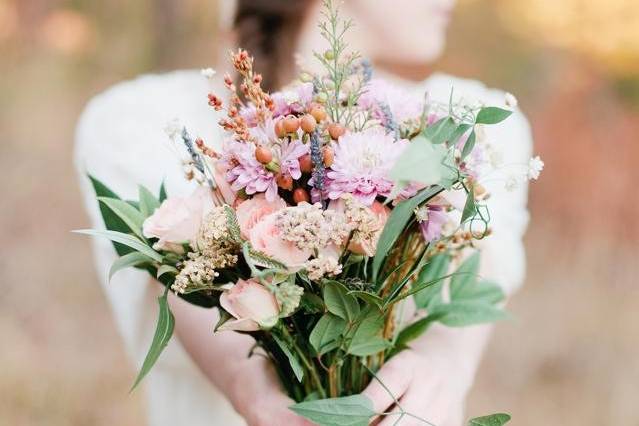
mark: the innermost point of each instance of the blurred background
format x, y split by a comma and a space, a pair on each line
571, 357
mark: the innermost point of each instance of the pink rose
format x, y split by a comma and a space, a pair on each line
251, 211
177, 221
265, 237
251, 304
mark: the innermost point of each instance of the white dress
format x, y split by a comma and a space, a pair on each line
121, 141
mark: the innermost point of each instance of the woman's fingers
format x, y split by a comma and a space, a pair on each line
392, 381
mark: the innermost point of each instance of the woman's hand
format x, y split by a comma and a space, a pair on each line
429, 381
258, 397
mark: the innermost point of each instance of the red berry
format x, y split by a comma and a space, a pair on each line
263, 155
291, 124
308, 123
285, 182
319, 113
329, 156
336, 130
306, 164
300, 195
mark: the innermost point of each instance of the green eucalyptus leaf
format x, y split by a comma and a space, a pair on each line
125, 211
434, 269
325, 333
464, 313
492, 115
126, 239
354, 410
163, 333
498, 419
292, 360
130, 259
399, 218
148, 202
111, 221
339, 302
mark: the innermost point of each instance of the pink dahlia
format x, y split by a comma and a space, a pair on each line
402, 104
362, 164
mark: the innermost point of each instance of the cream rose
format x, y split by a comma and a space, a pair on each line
251, 211
251, 304
177, 221
265, 237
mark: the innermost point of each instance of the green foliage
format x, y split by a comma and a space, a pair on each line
126, 239
464, 313
420, 162
437, 267
111, 221
469, 145
492, 115
339, 302
470, 208
366, 336
324, 336
498, 419
399, 218
414, 330
441, 131
163, 333
148, 202
130, 259
355, 410
126, 212
292, 360
166, 269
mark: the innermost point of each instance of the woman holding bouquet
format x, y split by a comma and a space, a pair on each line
119, 139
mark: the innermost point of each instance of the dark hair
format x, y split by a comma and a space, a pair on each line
269, 29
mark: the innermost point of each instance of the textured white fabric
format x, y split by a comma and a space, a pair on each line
120, 140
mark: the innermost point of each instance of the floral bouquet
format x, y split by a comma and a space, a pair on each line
329, 206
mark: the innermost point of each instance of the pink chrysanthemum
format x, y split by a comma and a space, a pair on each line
402, 104
362, 163
245, 172
293, 100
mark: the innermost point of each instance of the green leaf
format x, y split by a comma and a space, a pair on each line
311, 303
441, 131
465, 276
459, 131
492, 115
148, 202
125, 211
126, 239
420, 162
162, 195
166, 269
339, 302
498, 419
469, 145
470, 208
292, 360
400, 216
370, 298
366, 336
326, 331
481, 291
163, 333
130, 259
464, 313
354, 410
436, 268
111, 221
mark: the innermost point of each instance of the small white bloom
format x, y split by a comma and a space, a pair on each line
421, 214
535, 166
208, 72
511, 100
511, 183
173, 129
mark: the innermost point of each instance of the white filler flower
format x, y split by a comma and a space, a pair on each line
535, 166
208, 72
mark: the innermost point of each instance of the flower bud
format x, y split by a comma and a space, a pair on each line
329, 156
291, 124
308, 123
263, 154
300, 195
306, 164
335, 130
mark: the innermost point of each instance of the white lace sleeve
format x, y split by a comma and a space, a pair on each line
503, 255
120, 140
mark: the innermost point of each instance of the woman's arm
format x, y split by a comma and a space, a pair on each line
250, 383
